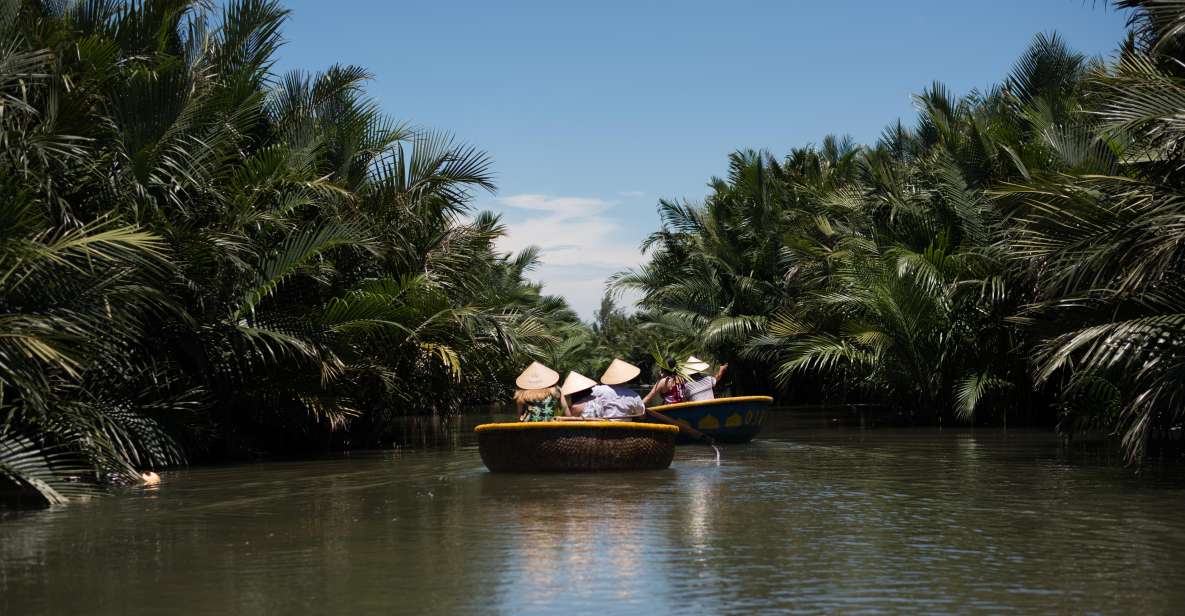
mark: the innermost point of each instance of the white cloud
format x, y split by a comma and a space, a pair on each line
574, 206
581, 244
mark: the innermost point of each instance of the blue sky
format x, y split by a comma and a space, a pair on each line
592, 111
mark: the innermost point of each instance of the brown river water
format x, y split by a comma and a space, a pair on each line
810, 518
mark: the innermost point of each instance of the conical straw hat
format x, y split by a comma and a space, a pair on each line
695, 364
537, 376
619, 372
575, 382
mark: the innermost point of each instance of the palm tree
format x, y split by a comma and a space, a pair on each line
878, 272
205, 257
718, 267
75, 299
1102, 242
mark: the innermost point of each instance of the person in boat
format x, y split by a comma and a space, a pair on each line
669, 387
613, 399
576, 392
537, 397
701, 386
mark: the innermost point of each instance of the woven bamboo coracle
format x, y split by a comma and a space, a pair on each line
572, 446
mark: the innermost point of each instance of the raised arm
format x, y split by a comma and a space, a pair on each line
720, 371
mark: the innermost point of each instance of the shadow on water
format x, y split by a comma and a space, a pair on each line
815, 516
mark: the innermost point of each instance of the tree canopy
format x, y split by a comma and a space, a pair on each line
201, 257
1016, 252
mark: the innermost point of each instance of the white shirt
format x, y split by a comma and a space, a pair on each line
613, 402
700, 390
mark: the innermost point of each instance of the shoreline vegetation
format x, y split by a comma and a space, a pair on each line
202, 259
1016, 256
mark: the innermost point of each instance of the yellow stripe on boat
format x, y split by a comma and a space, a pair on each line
557, 425
687, 405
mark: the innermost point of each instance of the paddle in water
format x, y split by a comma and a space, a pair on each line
686, 427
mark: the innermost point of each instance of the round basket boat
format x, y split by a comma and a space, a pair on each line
726, 420
571, 446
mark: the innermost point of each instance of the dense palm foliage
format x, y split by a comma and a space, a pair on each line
199, 256
1017, 251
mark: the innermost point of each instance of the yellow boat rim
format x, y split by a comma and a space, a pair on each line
566, 425
685, 405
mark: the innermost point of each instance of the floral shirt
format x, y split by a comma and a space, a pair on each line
544, 410
675, 393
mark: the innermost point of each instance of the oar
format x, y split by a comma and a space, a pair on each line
686, 427
683, 425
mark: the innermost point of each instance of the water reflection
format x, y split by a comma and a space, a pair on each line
566, 537
809, 519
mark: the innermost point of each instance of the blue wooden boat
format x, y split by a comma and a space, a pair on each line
727, 420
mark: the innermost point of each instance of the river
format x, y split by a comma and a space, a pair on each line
810, 517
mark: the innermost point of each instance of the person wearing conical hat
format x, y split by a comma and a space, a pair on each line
537, 398
694, 364
613, 399
576, 392
669, 385
701, 386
